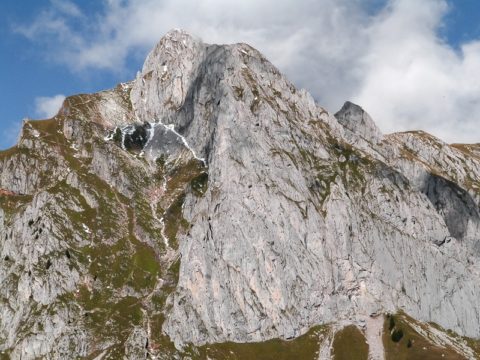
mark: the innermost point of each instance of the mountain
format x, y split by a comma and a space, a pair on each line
208, 209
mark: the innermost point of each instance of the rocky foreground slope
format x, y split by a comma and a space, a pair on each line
209, 207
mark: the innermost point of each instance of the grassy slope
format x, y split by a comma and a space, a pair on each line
350, 344
409, 344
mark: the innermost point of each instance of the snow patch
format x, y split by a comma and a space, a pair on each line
162, 232
171, 127
110, 135
151, 134
86, 229
130, 129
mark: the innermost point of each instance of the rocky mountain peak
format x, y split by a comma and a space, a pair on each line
358, 121
209, 201
168, 70
175, 45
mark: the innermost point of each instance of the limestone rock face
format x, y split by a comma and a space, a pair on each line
212, 201
356, 120
298, 226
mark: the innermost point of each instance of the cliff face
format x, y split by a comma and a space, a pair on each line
210, 201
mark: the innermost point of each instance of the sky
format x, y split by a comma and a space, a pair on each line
411, 64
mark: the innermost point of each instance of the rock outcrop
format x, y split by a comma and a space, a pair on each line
210, 201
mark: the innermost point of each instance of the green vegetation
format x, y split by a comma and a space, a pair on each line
397, 335
126, 263
159, 341
115, 258
144, 219
191, 175
248, 76
350, 344
304, 347
119, 270
174, 221
200, 184
354, 166
402, 342
14, 204
160, 161
4, 154
391, 322
238, 92
117, 136
183, 175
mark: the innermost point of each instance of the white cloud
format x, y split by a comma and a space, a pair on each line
47, 107
53, 25
66, 7
392, 62
412, 79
